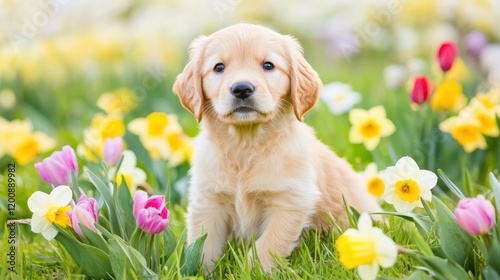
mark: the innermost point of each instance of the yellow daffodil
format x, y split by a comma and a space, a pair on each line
490, 100
163, 138
466, 130
368, 126
458, 71
367, 248
407, 183
374, 180
49, 209
18, 140
448, 95
133, 175
118, 102
486, 117
102, 128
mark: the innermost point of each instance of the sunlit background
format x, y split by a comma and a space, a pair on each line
59, 57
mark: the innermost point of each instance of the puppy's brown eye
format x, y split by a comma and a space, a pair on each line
219, 67
268, 65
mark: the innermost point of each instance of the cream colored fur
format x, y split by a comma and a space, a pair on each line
261, 172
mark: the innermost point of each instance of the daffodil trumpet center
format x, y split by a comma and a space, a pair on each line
408, 190
58, 216
370, 129
355, 250
157, 123
376, 186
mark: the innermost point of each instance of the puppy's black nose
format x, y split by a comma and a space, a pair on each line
242, 90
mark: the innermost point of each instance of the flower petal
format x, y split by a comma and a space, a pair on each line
407, 167
39, 224
426, 180
50, 233
368, 271
61, 196
39, 202
365, 222
387, 251
140, 199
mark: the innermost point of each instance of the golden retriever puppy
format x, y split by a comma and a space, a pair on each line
257, 168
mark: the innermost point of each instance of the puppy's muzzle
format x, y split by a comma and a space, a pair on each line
242, 90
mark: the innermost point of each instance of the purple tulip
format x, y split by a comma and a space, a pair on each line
112, 151
151, 214
475, 215
85, 212
56, 169
475, 42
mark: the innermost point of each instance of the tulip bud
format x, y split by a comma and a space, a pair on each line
475, 215
151, 214
112, 150
421, 90
86, 213
446, 55
56, 169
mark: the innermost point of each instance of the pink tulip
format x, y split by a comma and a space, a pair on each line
151, 214
112, 151
86, 213
56, 169
446, 55
475, 215
421, 90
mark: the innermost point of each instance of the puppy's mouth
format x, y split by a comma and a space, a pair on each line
244, 109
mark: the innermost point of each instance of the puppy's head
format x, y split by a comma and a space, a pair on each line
247, 74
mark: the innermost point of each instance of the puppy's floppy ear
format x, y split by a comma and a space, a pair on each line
305, 83
188, 85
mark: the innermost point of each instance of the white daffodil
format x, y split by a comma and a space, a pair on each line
406, 184
339, 97
367, 248
133, 175
50, 209
374, 180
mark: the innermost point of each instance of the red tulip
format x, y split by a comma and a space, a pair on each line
421, 90
446, 55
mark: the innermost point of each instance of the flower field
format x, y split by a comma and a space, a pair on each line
95, 147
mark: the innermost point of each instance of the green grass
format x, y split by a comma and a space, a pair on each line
315, 257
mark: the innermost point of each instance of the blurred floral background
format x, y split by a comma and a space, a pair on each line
76, 72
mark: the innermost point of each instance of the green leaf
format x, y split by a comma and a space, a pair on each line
125, 208
125, 259
169, 242
94, 262
94, 238
428, 210
176, 256
450, 184
494, 254
441, 268
192, 256
352, 219
495, 185
108, 199
489, 273
456, 243
422, 245
468, 184
424, 222
104, 231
